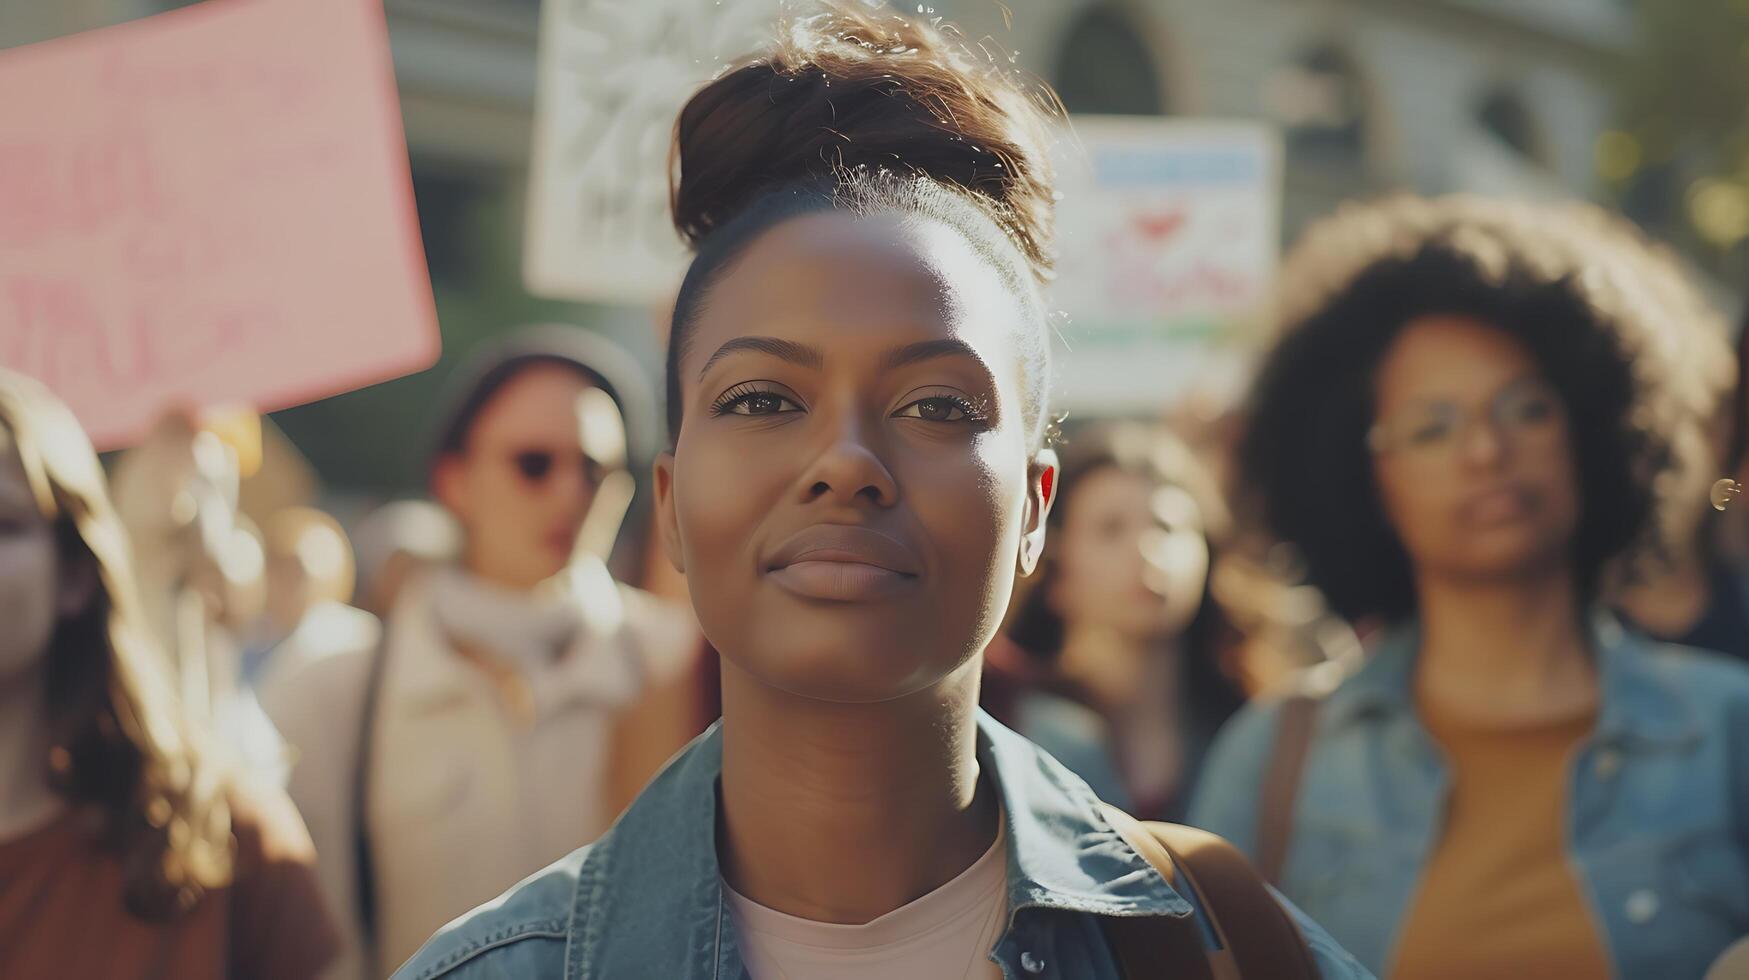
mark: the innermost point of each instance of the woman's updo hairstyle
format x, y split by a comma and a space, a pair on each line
867, 111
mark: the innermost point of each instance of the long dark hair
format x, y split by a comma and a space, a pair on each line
1160, 459
121, 745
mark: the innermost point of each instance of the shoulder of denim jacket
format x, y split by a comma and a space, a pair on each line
536, 909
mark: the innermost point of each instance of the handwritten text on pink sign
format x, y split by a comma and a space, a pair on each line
210, 205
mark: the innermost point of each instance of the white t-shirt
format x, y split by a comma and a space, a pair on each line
945, 935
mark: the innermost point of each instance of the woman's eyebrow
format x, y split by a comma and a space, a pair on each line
928, 350
1528, 379
787, 350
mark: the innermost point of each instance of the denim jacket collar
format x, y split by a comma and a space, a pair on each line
660, 863
1641, 704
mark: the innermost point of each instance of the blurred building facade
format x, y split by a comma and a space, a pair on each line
1428, 95
1495, 96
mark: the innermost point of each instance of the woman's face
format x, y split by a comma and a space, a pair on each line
1130, 557
533, 462
853, 483
29, 571
1472, 454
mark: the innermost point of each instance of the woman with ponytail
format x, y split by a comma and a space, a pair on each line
857, 469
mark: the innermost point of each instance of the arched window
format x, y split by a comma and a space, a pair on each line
1105, 67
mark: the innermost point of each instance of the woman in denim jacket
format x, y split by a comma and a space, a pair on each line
1453, 438
856, 381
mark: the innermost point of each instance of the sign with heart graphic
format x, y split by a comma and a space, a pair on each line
1168, 235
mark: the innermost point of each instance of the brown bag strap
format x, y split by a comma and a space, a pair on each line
1281, 785
1256, 936
1155, 946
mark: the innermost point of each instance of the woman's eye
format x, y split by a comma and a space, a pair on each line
936, 409
759, 403
1430, 432
1532, 409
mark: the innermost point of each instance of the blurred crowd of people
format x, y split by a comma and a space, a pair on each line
1438, 625
1477, 418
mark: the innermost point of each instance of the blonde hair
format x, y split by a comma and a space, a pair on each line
121, 744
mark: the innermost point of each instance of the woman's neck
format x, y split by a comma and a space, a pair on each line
844, 812
1110, 664
26, 798
1505, 652
493, 570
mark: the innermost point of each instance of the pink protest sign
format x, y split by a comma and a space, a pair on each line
210, 205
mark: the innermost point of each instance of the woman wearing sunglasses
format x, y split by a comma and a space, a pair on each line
856, 387
518, 698
1453, 437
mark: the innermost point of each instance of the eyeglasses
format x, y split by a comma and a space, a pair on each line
1522, 412
536, 465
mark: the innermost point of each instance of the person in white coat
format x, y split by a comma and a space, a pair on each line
518, 698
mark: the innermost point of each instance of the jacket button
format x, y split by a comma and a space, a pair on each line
1642, 906
1032, 963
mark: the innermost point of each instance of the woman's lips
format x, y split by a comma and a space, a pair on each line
840, 581
1502, 505
843, 563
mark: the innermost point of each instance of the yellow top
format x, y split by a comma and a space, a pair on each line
1499, 897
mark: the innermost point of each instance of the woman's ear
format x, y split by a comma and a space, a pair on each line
449, 487
667, 519
1041, 493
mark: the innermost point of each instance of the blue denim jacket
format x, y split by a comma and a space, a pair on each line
646, 900
1657, 814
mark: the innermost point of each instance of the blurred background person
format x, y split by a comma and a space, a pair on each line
201, 567
1116, 660
518, 698
199, 561
1687, 590
1692, 591
1725, 531
396, 542
128, 847
1452, 439
1732, 539
310, 575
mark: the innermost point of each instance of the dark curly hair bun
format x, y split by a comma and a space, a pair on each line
856, 89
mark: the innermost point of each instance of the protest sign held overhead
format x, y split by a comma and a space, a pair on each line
613, 76
214, 208
1168, 237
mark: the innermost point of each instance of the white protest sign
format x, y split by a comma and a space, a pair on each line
613, 77
1168, 237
